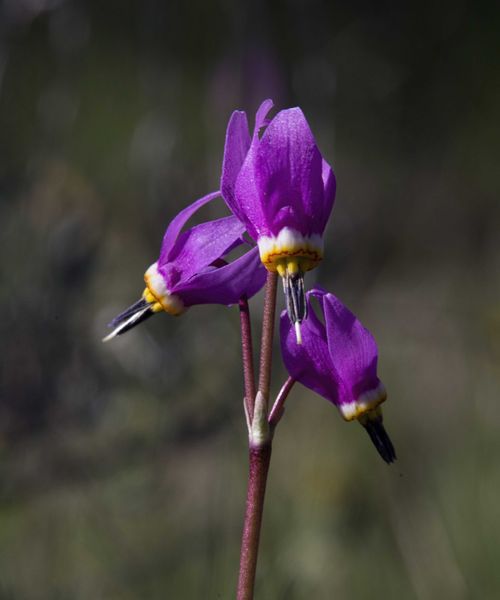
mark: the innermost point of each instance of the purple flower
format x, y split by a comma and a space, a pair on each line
192, 269
282, 189
338, 360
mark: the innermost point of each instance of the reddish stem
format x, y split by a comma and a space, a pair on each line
259, 453
257, 478
247, 355
266, 348
279, 404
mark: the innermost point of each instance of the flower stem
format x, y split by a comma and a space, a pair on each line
247, 356
266, 348
257, 478
279, 405
259, 452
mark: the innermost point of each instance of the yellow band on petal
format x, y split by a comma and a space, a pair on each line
364, 404
290, 252
157, 294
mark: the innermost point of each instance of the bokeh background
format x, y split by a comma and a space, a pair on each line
123, 466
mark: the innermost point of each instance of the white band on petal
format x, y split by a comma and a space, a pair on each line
171, 303
290, 243
366, 402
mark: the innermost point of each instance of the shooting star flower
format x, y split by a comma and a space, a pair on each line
338, 360
283, 190
192, 269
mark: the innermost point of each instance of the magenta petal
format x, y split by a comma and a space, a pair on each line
330, 187
178, 223
238, 180
250, 206
235, 151
225, 285
352, 348
288, 174
261, 116
308, 363
198, 247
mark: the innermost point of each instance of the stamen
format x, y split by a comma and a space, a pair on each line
280, 267
135, 314
298, 333
131, 310
372, 422
296, 306
292, 266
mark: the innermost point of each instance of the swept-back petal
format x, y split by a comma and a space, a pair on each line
261, 116
352, 348
238, 178
201, 245
308, 363
176, 225
288, 175
330, 187
250, 205
227, 284
235, 150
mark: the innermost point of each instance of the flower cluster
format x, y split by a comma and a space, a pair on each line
280, 191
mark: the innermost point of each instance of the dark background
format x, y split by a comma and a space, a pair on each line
123, 466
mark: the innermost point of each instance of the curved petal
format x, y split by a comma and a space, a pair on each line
225, 285
309, 363
250, 204
288, 173
313, 321
201, 245
261, 116
352, 348
236, 148
176, 225
330, 187
240, 193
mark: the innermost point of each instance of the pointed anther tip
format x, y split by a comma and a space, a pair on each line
112, 335
380, 439
135, 314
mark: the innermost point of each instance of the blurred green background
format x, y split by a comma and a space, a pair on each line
123, 466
